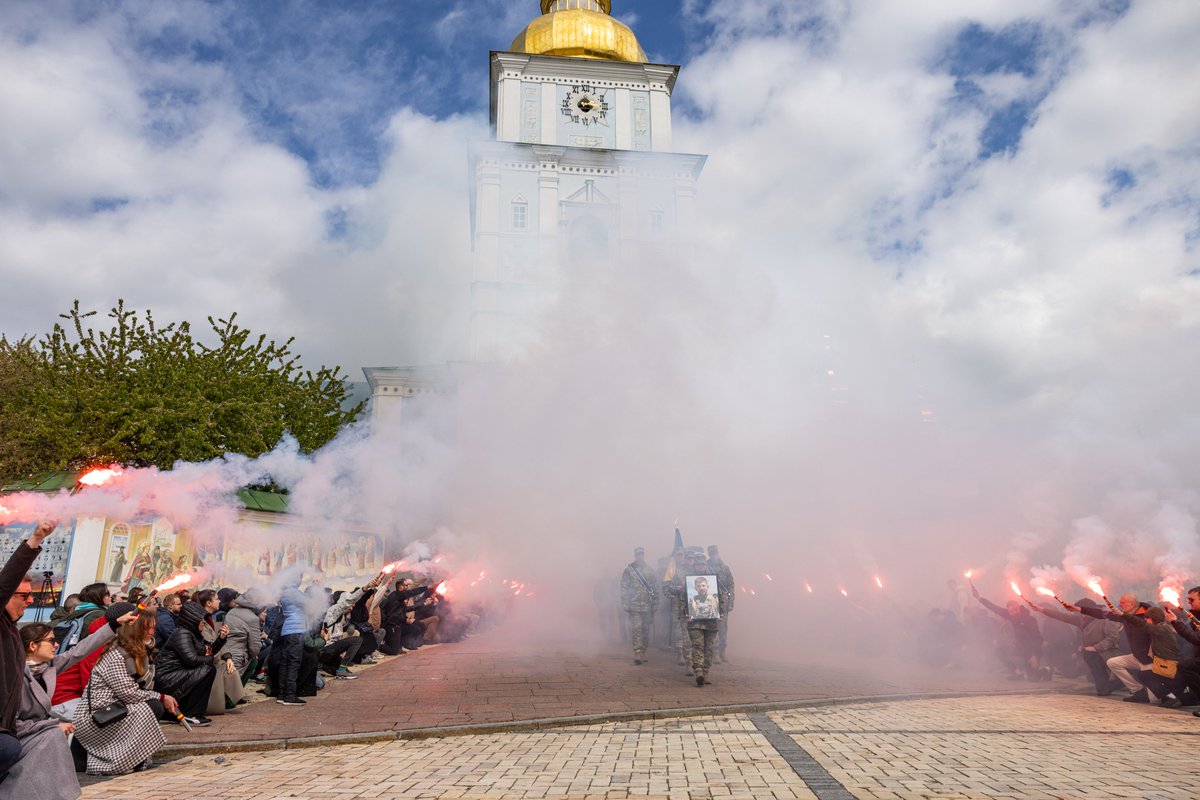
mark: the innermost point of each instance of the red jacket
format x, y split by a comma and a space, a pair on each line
72, 682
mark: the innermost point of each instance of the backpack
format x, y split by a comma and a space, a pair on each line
69, 632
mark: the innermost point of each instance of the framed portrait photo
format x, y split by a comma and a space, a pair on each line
702, 597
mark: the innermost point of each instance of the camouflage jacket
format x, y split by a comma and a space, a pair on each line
638, 594
725, 581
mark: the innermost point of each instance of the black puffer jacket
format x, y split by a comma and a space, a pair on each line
183, 661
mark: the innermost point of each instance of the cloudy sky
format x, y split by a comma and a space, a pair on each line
975, 224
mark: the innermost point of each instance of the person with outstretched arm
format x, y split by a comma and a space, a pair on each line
16, 592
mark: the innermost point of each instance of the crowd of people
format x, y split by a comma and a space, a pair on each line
1134, 647
90, 690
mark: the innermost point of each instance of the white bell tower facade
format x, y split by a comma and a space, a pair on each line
580, 172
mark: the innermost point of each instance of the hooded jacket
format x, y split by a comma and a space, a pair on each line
245, 631
184, 661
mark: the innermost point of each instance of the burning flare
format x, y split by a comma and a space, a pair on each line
100, 475
843, 591
166, 586
1047, 592
808, 587
967, 574
768, 577
878, 582
1094, 585
1016, 588
441, 589
1170, 595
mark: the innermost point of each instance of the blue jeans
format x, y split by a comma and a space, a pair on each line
291, 651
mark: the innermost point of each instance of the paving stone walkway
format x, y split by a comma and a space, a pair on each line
1057, 746
496, 679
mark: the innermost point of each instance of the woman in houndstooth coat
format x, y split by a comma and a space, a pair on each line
128, 743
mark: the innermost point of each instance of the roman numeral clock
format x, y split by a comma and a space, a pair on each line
585, 105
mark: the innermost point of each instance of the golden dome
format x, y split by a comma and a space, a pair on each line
580, 29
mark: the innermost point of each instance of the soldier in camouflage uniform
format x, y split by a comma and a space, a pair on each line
725, 581
675, 603
639, 597
677, 591
702, 633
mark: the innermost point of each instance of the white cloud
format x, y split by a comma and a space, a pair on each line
1047, 331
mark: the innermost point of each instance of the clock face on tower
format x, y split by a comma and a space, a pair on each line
585, 105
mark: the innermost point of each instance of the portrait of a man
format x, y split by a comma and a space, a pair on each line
702, 597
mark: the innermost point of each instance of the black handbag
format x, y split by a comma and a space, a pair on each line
113, 712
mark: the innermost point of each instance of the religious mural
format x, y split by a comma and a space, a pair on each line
144, 553
323, 556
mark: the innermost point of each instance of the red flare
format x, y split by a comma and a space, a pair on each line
178, 580
1016, 588
441, 589
1047, 592
808, 587
967, 574
768, 577
843, 591
878, 582
1170, 595
100, 475
1094, 585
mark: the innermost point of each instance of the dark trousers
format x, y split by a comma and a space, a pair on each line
291, 651
10, 752
1103, 680
339, 653
1189, 673
195, 701
369, 645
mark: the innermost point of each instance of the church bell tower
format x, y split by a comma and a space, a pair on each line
580, 171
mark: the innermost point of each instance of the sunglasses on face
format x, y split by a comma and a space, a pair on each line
48, 640
23, 595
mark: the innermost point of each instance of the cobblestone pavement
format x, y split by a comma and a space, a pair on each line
1017, 746
485, 680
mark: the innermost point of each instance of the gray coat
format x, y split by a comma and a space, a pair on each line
245, 635
46, 770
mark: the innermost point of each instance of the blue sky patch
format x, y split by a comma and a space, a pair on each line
977, 50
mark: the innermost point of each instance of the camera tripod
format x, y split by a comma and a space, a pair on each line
44, 591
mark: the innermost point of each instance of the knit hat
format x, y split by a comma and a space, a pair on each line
117, 610
1155, 614
1087, 602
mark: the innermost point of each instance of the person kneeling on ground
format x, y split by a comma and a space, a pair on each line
185, 669
244, 644
46, 768
123, 674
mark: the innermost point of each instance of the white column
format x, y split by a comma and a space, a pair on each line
660, 119
551, 119
623, 116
